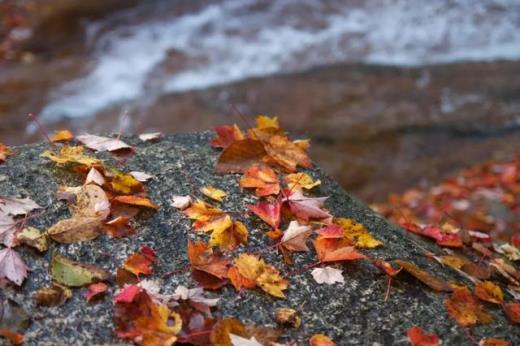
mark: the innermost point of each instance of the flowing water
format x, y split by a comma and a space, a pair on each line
145, 52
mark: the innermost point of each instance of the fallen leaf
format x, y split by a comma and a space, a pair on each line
239, 156
226, 135
13, 321
220, 334
357, 233
387, 268
12, 266
512, 311
489, 292
286, 153
465, 309
268, 212
262, 178
91, 201
33, 237
240, 341
299, 181
228, 238
75, 274
119, 227
238, 280
7, 229
17, 206
140, 262
266, 276
264, 121
4, 152
493, 342
207, 217
203, 258
181, 202
52, 296
307, 208
136, 316
424, 276
141, 176
333, 250
419, 337
62, 136
508, 250
124, 183
295, 237
76, 229
145, 137
95, 290
102, 143
213, 193
327, 275
135, 201
94, 176
288, 316
331, 231
71, 155
321, 340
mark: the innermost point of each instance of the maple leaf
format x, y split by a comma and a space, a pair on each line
7, 229
137, 201
285, 153
145, 137
299, 181
240, 155
332, 250
119, 227
137, 317
331, 231
52, 296
327, 275
71, 155
207, 217
181, 202
17, 206
95, 290
295, 237
266, 276
321, 340
357, 233
264, 121
238, 280
512, 311
12, 266
62, 136
268, 212
424, 276
203, 258
262, 178
230, 236
94, 176
140, 262
307, 208
100, 143
419, 337
123, 183
213, 193
489, 292
4, 152
226, 135
465, 309
75, 274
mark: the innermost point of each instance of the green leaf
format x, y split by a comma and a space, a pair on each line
75, 274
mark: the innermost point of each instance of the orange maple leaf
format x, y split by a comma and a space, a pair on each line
262, 178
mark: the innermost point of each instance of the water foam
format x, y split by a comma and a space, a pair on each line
235, 41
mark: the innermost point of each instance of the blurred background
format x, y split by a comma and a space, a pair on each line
393, 93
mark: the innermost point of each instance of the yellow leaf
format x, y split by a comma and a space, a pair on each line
124, 183
230, 236
213, 193
357, 233
266, 276
489, 292
62, 136
70, 155
263, 121
297, 181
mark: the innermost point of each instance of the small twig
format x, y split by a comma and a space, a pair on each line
41, 128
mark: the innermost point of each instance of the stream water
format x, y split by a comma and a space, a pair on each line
161, 47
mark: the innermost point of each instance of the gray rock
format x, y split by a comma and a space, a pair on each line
352, 313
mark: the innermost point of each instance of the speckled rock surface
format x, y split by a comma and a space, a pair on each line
353, 313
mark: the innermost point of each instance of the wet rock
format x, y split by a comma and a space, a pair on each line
353, 313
